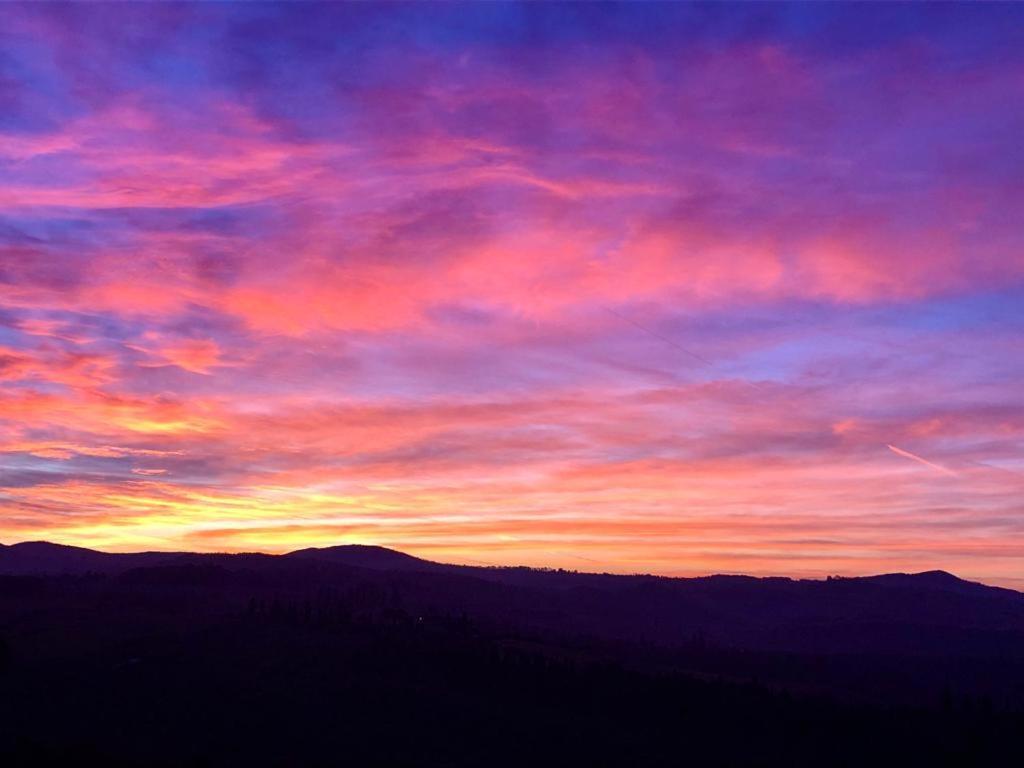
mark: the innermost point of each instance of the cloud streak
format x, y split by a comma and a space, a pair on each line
922, 461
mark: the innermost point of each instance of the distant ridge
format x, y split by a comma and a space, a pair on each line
44, 557
41, 557
938, 580
47, 558
924, 614
365, 556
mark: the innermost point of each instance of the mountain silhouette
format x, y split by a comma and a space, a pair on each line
366, 556
388, 659
47, 558
925, 613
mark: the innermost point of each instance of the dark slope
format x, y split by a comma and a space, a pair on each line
927, 613
365, 656
43, 557
276, 686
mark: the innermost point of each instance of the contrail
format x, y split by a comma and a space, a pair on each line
673, 343
657, 335
919, 460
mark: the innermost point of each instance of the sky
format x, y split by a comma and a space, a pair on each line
639, 288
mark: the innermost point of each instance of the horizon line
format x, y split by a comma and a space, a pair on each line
826, 577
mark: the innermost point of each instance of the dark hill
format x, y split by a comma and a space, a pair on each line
363, 556
388, 659
42, 557
928, 614
47, 558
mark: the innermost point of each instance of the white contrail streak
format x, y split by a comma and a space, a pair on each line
919, 460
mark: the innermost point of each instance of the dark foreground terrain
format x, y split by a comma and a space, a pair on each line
366, 657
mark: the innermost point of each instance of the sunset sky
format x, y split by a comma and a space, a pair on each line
667, 288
